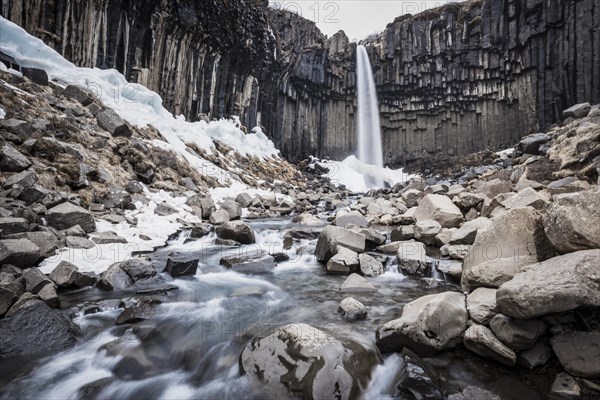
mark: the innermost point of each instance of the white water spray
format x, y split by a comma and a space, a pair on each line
368, 126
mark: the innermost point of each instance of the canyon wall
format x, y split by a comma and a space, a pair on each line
451, 81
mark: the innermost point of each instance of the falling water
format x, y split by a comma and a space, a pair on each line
368, 128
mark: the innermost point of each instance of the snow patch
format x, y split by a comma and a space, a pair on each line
2, 112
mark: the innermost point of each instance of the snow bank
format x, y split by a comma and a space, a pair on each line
133, 102
2, 113
359, 177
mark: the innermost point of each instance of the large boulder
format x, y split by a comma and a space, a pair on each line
12, 160
556, 285
571, 221
527, 197
502, 249
238, 231
114, 278
426, 231
413, 259
467, 233
481, 304
438, 208
309, 363
428, 325
138, 268
19, 252
357, 284
66, 275
518, 334
35, 329
181, 267
10, 226
333, 236
481, 340
531, 144
351, 308
66, 215
577, 111
370, 266
344, 218
344, 262
233, 209
578, 352
250, 262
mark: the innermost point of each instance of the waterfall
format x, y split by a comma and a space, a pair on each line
368, 127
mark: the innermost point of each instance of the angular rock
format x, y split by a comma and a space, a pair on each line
138, 269
531, 144
177, 268
559, 284
10, 226
66, 275
564, 387
114, 278
357, 284
35, 75
23, 179
578, 352
528, 197
372, 237
164, 210
79, 94
481, 304
233, 209
518, 334
451, 268
344, 262
426, 231
568, 185
76, 242
66, 215
351, 308
403, 233
243, 199
413, 259
8, 297
344, 218
536, 356
493, 188
370, 266
411, 197
308, 219
333, 236
111, 122
219, 217
438, 208
49, 295
467, 233
473, 393
428, 325
238, 231
480, 340
577, 111
467, 200
107, 238
250, 262
283, 360
12, 160
571, 220
35, 329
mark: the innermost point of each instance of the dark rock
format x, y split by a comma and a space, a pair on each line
24, 179
35, 280
47, 241
531, 144
578, 352
177, 268
114, 278
577, 111
7, 299
116, 198
138, 268
35, 329
473, 393
518, 334
111, 122
200, 230
66, 215
11, 159
36, 75
9, 226
238, 231
147, 176
79, 94
19, 252
107, 238
134, 187
67, 275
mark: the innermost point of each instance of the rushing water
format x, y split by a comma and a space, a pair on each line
190, 348
368, 127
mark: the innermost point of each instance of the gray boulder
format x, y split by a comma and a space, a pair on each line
114, 278
413, 259
481, 304
528, 197
333, 236
49, 295
577, 111
181, 267
238, 231
219, 217
351, 308
107, 238
35, 75
233, 209
35, 329
111, 122
357, 284
438, 208
309, 363
564, 387
24, 179
480, 340
138, 268
79, 94
426, 231
250, 262
243, 199
66, 275
66, 215
370, 266
344, 218
531, 144
403, 233
428, 325
344, 262
473, 393
518, 334
467, 233
578, 352
21, 253
12, 160
35, 280
571, 220
10, 226
556, 285
467, 200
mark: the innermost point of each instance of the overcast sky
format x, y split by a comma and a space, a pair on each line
358, 18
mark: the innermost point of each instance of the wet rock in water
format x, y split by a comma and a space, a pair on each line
12, 160
181, 267
370, 266
428, 325
357, 284
250, 262
67, 275
114, 278
309, 363
482, 341
481, 304
351, 308
308, 219
137, 309
111, 122
426, 231
578, 353
333, 236
219, 217
418, 380
233, 209
559, 284
577, 111
438, 208
564, 387
138, 268
512, 241
35, 329
571, 220
452, 268
344, 262
66, 215
238, 231
413, 259
473, 393
536, 356
518, 334
344, 218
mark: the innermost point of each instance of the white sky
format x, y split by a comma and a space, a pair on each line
358, 18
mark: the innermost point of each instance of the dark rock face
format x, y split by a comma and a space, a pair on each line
450, 81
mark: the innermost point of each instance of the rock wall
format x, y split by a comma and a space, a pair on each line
453, 80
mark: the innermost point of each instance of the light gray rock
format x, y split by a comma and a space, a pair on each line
49, 295
493, 188
568, 185
219, 217
107, 238
333, 236
473, 393
564, 387
344, 218
577, 111
250, 262
370, 266
578, 352
76, 242
559, 284
238, 231
357, 284
518, 334
372, 237
438, 208
481, 304
138, 268
571, 220
413, 259
444, 236
467, 200
243, 199
351, 308
66, 215
480, 340
426, 231
283, 360
467, 233
164, 210
428, 325
24, 179
308, 220
233, 209
451, 268
528, 197
344, 262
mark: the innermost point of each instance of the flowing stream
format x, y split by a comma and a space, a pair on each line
190, 347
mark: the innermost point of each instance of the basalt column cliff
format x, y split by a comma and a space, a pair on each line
450, 81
